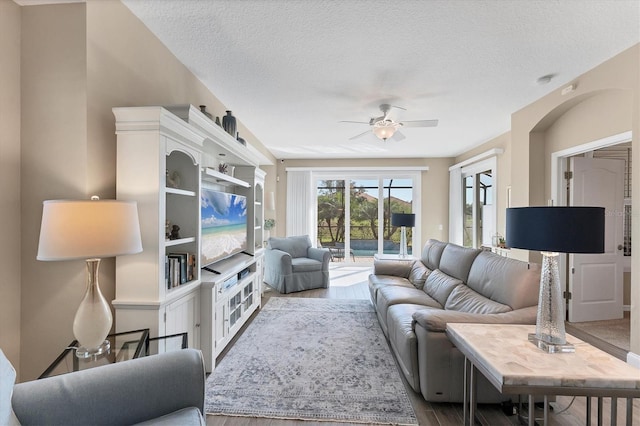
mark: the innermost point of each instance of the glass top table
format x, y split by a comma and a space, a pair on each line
124, 346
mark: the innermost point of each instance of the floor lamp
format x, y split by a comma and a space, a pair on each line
403, 220
89, 230
554, 230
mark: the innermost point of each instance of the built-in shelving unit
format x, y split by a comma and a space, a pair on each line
164, 156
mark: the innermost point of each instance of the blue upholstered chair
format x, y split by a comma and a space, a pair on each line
166, 389
292, 264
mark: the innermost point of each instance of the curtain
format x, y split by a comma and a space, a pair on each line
455, 206
300, 204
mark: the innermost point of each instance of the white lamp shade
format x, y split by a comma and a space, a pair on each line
88, 229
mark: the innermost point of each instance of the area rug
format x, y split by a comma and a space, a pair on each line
311, 359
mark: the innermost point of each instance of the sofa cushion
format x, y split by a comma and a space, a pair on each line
456, 261
304, 264
464, 299
439, 285
508, 281
7, 380
431, 253
418, 274
394, 295
376, 282
403, 340
296, 246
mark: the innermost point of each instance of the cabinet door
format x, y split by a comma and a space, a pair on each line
221, 321
183, 315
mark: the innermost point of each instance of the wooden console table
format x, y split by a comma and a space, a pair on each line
502, 353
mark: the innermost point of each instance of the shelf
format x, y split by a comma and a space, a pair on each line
223, 179
170, 243
179, 192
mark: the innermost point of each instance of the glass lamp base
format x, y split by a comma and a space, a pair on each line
552, 348
83, 352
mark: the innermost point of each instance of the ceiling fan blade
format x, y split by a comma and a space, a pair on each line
359, 135
420, 123
397, 136
358, 122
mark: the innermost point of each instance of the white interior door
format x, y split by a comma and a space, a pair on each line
595, 280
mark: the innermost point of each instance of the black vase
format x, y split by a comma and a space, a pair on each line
242, 141
203, 109
229, 123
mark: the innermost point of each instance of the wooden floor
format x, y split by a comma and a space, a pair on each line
350, 282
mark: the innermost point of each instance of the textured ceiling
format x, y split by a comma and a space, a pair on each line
292, 69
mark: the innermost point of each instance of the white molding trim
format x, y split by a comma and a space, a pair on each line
558, 166
476, 158
633, 359
357, 169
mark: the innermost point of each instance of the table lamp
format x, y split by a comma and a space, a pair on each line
403, 220
89, 230
554, 230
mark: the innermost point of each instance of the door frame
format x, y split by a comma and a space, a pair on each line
559, 167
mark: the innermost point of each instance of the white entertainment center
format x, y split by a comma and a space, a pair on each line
165, 155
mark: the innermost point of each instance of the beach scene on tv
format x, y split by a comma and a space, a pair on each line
223, 225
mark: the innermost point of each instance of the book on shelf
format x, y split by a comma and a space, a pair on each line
180, 268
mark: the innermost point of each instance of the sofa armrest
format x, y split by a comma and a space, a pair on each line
395, 268
122, 393
320, 254
279, 260
436, 320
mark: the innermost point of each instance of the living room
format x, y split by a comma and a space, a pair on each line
67, 65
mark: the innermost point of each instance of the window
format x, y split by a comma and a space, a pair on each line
357, 221
478, 209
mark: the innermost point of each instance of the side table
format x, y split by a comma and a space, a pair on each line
503, 354
124, 346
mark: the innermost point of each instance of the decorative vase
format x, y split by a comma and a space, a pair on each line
218, 121
203, 109
239, 139
229, 123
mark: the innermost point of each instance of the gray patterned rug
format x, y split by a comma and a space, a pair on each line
311, 359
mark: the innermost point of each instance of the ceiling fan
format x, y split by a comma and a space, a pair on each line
385, 127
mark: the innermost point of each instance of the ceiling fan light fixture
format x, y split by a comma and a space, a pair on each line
384, 130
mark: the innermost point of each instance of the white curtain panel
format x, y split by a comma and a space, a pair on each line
455, 205
300, 204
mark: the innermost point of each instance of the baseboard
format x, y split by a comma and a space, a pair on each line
633, 359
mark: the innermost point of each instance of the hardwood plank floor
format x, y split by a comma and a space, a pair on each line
350, 282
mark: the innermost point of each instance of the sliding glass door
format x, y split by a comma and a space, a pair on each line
356, 223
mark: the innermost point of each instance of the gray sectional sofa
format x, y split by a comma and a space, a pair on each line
414, 301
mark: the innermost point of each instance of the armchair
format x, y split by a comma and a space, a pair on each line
292, 264
159, 389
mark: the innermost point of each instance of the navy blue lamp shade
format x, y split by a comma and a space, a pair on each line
556, 229
403, 219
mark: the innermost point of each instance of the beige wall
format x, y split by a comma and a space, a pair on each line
78, 62
605, 102
10, 180
435, 189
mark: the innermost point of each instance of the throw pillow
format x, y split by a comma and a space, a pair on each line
7, 380
418, 274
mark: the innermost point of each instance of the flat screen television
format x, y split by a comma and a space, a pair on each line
223, 225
